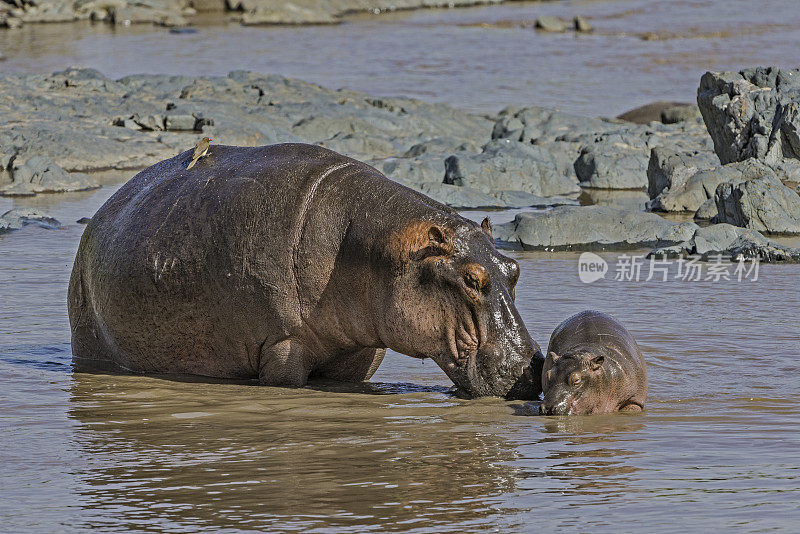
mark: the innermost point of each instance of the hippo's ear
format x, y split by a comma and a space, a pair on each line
486, 226
420, 240
439, 242
553, 356
436, 235
597, 363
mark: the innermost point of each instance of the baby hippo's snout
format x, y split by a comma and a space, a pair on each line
593, 366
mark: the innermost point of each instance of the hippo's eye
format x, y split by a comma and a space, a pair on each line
574, 379
476, 276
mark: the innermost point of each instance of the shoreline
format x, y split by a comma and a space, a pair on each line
180, 13
66, 124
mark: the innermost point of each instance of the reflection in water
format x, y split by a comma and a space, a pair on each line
592, 457
621, 199
201, 456
587, 456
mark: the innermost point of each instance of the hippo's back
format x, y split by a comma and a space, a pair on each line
179, 266
594, 327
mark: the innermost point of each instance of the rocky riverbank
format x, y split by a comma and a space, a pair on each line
61, 126
14, 13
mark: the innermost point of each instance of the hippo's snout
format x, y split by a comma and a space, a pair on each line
562, 408
502, 372
529, 385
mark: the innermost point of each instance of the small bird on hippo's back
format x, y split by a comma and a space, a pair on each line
200, 150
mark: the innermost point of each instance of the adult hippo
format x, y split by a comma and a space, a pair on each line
291, 261
593, 365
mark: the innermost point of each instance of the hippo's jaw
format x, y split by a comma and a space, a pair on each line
570, 405
528, 385
564, 406
496, 371
492, 354
559, 400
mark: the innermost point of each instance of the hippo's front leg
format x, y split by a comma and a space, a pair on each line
286, 363
356, 366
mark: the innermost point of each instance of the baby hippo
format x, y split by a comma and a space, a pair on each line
593, 365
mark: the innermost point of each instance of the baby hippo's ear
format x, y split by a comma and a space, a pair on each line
597, 363
552, 356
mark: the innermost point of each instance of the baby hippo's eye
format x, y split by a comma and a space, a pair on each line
574, 379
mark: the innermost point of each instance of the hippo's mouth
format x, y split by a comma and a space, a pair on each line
465, 339
569, 406
566, 406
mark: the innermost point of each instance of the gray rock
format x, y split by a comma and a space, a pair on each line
181, 123
754, 113
551, 24
12, 23
460, 197
463, 197
590, 227
509, 165
763, 204
707, 210
72, 78
649, 112
680, 113
729, 242
667, 169
628, 199
425, 169
138, 14
564, 155
523, 199
362, 146
40, 175
159, 123
19, 217
689, 190
438, 145
615, 160
204, 6
581, 24
44, 11
788, 170
64, 117
270, 13
151, 122
320, 128
534, 125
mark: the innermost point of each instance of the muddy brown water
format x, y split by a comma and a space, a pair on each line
716, 450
